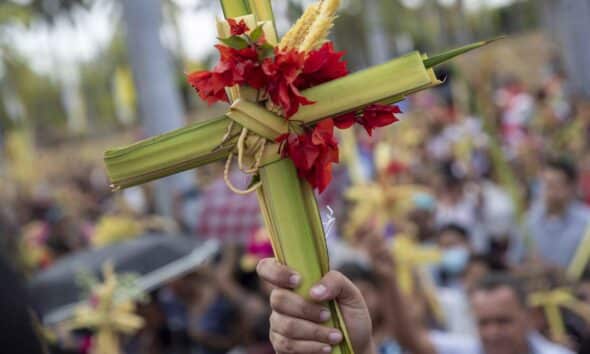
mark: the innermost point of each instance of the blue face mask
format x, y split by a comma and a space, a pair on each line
454, 260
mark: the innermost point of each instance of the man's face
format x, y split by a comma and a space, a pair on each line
557, 188
502, 321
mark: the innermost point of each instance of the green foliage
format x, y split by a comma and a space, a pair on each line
234, 42
11, 12
40, 95
58, 8
257, 33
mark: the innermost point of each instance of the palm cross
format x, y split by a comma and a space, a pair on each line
106, 315
249, 130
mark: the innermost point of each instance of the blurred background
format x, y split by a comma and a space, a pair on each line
483, 158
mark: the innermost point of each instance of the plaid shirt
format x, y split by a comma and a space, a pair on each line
230, 217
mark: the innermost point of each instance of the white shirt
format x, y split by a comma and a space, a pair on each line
457, 312
452, 344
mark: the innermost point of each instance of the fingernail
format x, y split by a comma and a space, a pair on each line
318, 290
327, 349
335, 337
294, 279
325, 315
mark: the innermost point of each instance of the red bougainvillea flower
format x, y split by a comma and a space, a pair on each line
321, 66
210, 86
240, 66
313, 153
237, 28
373, 116
323, 136
378, 115
346, 120
281, 73
236, 67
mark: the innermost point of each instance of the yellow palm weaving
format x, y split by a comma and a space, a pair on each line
552, 302
106, 316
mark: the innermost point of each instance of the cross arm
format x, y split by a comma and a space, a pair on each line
167, 154
199, 144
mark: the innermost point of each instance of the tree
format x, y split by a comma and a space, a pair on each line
159, 102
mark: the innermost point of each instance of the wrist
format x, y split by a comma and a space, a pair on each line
371, 348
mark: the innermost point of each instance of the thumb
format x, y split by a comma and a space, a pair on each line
335, 286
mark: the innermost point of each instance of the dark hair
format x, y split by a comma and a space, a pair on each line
492, 263
452, 173
495, 281
454, 227
565, 166
355, 272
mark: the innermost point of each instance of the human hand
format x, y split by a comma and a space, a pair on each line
296, 324
379, 253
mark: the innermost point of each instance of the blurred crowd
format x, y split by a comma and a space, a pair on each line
492, 185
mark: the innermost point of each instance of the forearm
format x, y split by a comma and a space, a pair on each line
408, 332
232, 291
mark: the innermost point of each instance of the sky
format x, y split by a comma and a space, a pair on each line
61, 46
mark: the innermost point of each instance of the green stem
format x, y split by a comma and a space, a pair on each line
235, 8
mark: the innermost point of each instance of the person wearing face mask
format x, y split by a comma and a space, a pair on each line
453, 241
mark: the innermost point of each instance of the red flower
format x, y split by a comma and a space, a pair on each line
237, 28
210, 86
240, 66
373, 116
321, 66
346, 120
281, 73
378, 115
236, 67
313, 153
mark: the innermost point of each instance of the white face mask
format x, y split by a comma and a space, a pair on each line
455, 260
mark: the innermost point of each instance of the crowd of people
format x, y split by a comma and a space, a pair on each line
501, 195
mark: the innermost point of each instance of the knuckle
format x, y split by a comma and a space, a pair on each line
285, 344
273, 321
282, 324
288, 325
277, 298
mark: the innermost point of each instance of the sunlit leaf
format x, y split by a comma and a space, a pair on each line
234, 42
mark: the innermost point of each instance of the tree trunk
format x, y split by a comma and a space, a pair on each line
462, 28
159, 102
569, 21
379, 44
575, 40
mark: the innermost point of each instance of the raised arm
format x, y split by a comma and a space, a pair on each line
407, 330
